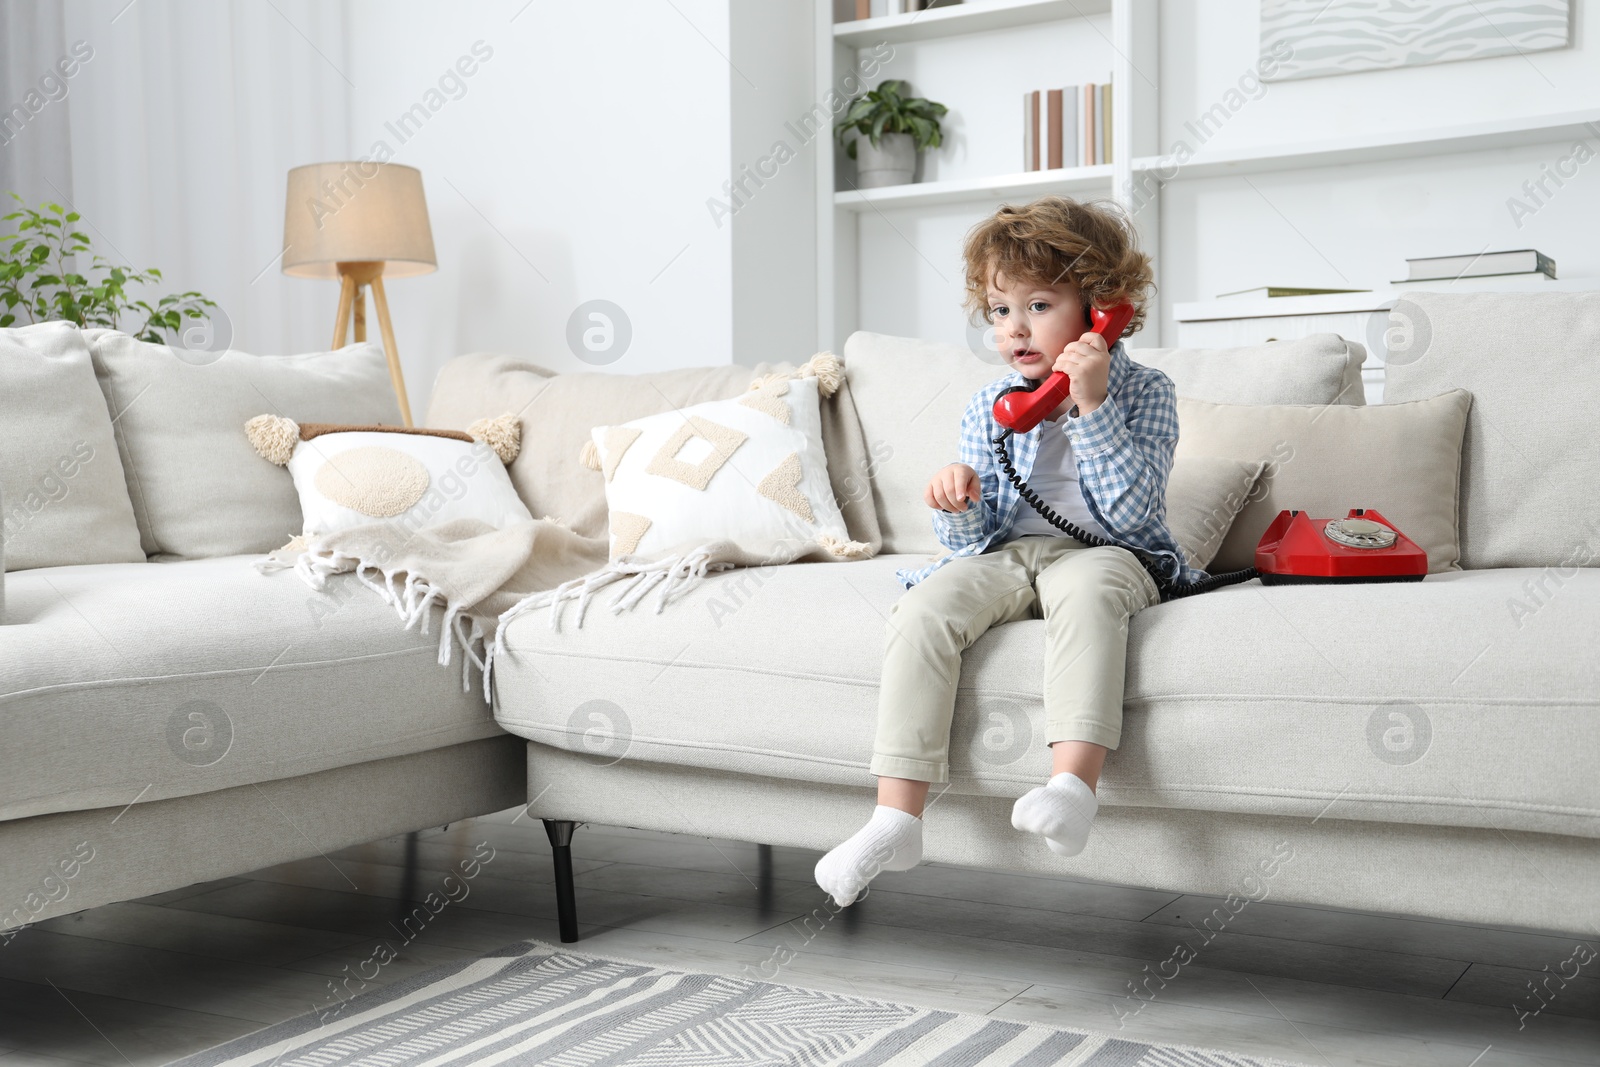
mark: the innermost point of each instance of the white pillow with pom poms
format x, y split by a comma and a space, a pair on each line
749, 471
353, 475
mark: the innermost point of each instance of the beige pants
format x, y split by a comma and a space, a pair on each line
1085, 596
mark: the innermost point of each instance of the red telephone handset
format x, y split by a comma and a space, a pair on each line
1021, 410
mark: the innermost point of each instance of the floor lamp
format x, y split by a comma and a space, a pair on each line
360, 222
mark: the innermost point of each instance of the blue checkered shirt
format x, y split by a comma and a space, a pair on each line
1124, 453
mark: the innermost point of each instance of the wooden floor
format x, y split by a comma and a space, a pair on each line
145, 981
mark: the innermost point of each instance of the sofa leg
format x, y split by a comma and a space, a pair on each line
764, 887
560, 833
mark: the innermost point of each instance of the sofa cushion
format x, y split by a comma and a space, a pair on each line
198, 488
1430, 702
349, 476
155, 680
1321, 368
1204, 497
911, 394
1530, 483
1402, 459
749, 470
60, 476
558, 411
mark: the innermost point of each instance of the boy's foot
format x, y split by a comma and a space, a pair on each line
891, 841
1061, 811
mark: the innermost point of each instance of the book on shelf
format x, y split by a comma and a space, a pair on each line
1482, 265
1052, 119
1030, 131
1287, 290
1070, 125
1088, 95
1105, 123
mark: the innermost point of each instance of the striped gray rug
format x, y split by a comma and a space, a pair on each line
533, 1003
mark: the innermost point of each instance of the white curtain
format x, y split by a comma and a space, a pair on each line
174, 136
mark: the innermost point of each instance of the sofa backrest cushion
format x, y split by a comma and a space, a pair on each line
912, 393
198, 488
1204, 496
1322, 368
557, 412
65, 500
1530, 482
1403, 460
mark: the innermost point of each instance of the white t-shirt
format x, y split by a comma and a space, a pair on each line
1055, 479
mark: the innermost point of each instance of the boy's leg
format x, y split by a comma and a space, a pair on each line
1086, 598
928, 630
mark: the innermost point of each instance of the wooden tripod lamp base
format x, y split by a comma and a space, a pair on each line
354, 277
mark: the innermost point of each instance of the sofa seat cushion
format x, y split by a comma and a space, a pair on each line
1432, 702
154, 680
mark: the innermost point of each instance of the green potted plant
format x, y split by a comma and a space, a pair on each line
891, 126
44, 277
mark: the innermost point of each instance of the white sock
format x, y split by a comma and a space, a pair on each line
1061, 810
891, 841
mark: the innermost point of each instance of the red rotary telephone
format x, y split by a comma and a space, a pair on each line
1361, 547
1020, 410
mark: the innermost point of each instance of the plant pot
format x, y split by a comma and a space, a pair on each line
892, 162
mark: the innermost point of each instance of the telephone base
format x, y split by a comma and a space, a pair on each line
1345, 579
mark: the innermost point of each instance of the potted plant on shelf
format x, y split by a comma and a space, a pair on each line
891, 127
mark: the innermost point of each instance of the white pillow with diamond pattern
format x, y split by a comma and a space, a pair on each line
750, 470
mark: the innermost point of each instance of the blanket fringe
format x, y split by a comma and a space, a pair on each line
413, 596
845, 549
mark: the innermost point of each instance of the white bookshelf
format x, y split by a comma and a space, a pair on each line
1123, 39
1368, 148
1095, 179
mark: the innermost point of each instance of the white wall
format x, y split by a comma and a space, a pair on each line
1207, 44
774, 159
574, 167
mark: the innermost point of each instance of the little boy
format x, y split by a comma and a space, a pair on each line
1101, 460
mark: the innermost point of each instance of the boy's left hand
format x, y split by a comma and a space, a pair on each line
1087, 361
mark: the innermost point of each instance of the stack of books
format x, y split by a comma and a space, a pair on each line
1068, 127
1479, 265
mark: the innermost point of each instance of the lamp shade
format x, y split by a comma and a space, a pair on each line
357, 211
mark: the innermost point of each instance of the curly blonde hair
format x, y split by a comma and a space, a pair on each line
1057, 239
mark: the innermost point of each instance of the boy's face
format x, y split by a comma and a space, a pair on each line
1033, 323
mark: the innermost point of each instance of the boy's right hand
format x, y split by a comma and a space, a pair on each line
951, 487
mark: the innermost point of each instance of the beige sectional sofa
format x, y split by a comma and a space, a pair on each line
1421, 748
